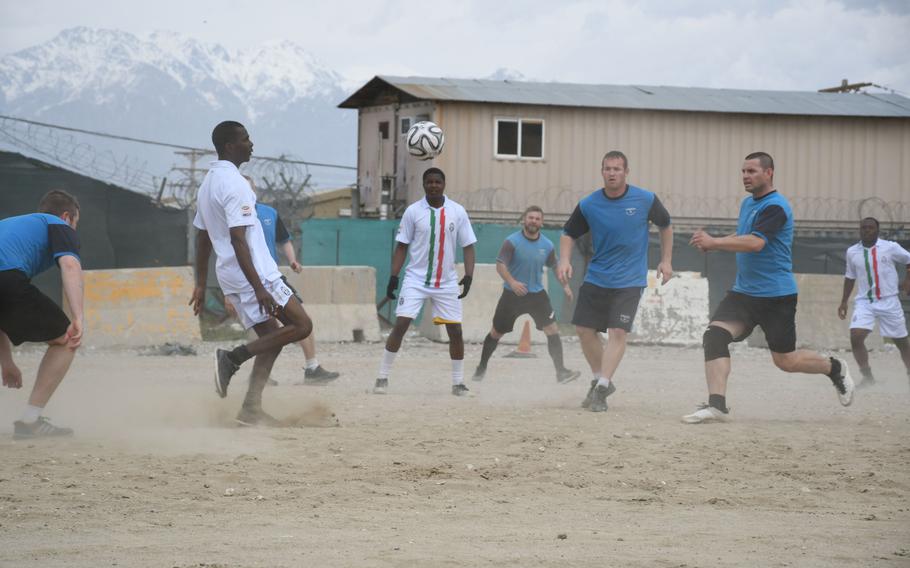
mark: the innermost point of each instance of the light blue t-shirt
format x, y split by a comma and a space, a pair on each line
525, 259
767, 273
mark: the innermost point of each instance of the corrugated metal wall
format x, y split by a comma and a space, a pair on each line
826, 166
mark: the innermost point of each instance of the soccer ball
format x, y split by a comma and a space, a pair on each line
425, 140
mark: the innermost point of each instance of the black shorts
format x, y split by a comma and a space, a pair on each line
294, 290
776, 316
510, 306
25, 313
604, 308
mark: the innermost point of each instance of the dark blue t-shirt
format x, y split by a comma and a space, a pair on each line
767, 273
274, 230
525, 259
619, 233
32, 243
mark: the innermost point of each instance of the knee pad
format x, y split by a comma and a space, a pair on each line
716, 342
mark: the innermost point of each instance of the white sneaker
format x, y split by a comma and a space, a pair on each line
844, 384
705, 413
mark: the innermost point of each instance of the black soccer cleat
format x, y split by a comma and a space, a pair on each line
479, 373
461, 390
224, 370
41, 428
599, 398
319, 376
567, 376
589, 398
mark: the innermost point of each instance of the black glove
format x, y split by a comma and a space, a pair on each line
390, 289
466, 282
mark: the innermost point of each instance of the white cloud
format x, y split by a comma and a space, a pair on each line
782, 44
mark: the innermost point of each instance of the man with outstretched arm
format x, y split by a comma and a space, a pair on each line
764, 293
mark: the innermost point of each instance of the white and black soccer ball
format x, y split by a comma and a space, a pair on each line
425, 140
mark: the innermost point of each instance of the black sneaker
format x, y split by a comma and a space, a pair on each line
41, 428
479, 372
224, 370
599, 399
567, 376
590, 396
259, 417
272, 382
381, 386
319, 376
868, 379
461, 390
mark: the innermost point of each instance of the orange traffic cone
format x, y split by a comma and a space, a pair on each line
524, 344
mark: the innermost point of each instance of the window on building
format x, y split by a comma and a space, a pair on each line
384, 130
519, 138
405, 125
422, 117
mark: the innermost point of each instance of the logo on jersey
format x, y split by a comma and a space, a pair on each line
631, 211
400, 301
245, 210
451, 227
625, 318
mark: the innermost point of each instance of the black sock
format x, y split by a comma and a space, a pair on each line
835, 368
239, 354
489, 345
718, 401
554, 346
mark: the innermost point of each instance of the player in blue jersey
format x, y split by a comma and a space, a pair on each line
520, 264
617, 216
764, 293
29, 245
277, 235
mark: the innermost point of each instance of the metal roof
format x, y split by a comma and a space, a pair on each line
383, 89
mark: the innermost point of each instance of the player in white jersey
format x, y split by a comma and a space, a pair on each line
870, 263
226, 221
431, 230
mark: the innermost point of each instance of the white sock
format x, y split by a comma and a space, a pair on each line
457, 371
603, 381
385, 367
32, 413
311, 364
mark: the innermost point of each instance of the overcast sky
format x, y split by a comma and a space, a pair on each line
772, 44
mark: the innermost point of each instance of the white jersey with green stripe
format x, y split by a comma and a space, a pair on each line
873, 269
433, 236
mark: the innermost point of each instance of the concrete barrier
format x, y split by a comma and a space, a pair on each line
339, 299
817, 324
674, 314
137, 307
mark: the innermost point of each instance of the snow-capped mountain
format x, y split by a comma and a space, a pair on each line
173, 88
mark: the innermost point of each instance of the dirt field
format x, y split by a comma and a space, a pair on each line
157, 475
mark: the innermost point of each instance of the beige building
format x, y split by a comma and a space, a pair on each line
509, 144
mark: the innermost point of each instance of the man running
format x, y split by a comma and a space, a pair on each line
226, 221
764, 293
617, 217
277, 235
431, 230
520, 264
29, 245
871, 262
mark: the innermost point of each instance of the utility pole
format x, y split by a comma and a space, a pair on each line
847, 87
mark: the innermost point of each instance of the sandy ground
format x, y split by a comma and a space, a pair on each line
157, 474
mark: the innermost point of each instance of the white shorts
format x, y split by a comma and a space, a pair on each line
888, 312
247, 306
446, 305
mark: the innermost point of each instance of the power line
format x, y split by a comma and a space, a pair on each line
167, 144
